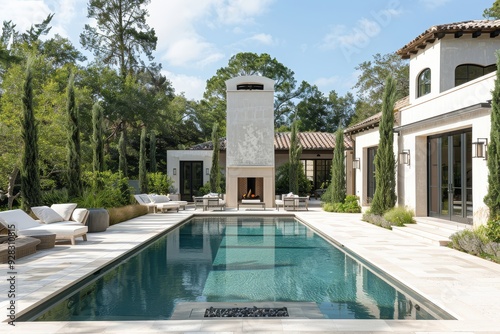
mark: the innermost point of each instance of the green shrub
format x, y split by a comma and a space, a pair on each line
493, 230
113, 191
377, 220
281, 182
52, 196
159, 183
350, 205
400, 216
469, 241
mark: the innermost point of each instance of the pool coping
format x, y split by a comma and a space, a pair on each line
51, 276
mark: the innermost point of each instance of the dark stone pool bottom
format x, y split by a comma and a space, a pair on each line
244, 312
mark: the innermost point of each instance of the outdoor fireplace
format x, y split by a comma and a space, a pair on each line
250, 140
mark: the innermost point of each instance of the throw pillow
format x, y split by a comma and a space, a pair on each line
159, 198
47, 215
65, 210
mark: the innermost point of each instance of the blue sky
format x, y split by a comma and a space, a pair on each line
322, 41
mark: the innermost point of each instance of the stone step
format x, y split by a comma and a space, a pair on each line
432, 230
431, 236
441, 224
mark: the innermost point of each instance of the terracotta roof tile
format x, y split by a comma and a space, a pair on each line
474, 27
308, 141
373, 121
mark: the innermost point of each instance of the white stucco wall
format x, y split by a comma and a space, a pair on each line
364, 140
250, 123
175, 156
444, 56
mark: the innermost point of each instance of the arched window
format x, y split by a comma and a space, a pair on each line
424, 82
468, 72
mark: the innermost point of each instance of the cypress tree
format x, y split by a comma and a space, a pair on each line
122, 155
152, 152
73, 153
143, 176
97, 138
338, 169
215, 172
31, 194
294, 158
384, 198
492, 198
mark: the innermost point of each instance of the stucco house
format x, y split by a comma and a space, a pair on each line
442, 128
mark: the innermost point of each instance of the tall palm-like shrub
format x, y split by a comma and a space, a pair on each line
73, 151
384, 198
338, 191
215, 171
31, 194
97, 138
152, 152
122, 155
143, 176
294, 159
492, 198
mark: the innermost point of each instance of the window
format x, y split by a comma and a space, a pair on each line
370, 176
424, 82
468, 72
250, 87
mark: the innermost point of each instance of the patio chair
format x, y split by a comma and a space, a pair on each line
23, 224
213, 200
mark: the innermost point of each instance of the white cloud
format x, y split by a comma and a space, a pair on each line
180, 26
192, 87
433, 4
23, 13
265, 39
327, 82
235, 12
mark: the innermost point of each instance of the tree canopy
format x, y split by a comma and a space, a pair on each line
121, 35
246, 64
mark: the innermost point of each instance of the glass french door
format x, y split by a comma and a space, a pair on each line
191, 179
450, 176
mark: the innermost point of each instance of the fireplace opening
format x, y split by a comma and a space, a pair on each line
250, 188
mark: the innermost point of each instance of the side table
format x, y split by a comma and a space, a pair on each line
98, 220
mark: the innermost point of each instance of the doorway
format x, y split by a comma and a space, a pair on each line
191, 179
450, 176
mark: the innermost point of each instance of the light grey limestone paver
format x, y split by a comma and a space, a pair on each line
465, 286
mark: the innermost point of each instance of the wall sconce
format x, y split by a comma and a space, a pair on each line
356, 163
479, 148
404, 157
207, 171
174, 171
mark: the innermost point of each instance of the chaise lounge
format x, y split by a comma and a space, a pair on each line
24, 225
144, 199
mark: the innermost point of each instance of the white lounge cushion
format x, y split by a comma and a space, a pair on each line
46, 214
80, 215
65, 210
159, 198
17, 218
62, 231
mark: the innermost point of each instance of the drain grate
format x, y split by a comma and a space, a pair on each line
244, 312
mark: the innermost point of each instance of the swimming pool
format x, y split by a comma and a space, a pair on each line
239, 259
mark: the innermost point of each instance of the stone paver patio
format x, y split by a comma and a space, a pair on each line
465, 286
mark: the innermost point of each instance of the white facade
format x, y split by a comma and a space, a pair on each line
447, 115
174, 157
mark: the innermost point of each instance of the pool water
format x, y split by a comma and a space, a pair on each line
236, 259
